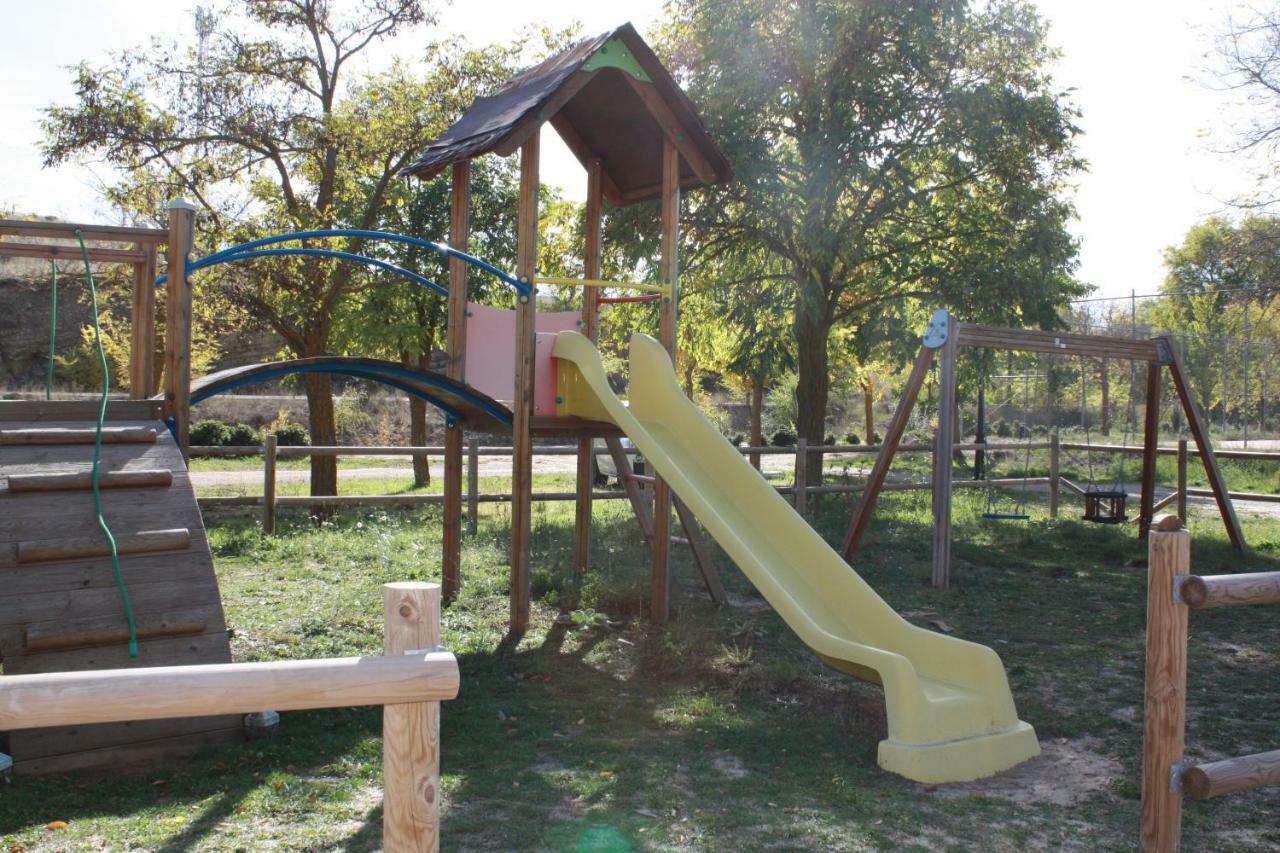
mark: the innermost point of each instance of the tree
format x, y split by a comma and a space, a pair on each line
1248, 68
260, 124
884, 152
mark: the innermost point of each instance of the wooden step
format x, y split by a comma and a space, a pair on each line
142, 542
106, 631
62, 435
80, 480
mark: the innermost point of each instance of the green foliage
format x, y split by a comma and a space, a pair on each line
783, 438
210, 433
852, 438
292, 435
243, 435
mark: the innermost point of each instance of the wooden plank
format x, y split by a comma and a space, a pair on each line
668, 274
701, 553
110, 435
177, 336
473, 486
1181, 494
63, 605
1058, 343
800, 476
142, 329
1200, 432
522, 405
626, 477
142, 542
451, 535
893, 438
67, 231
1151, 446
942, 457
53, 251
111, 631
269, 484
1232, 775
79, 480
21, 581
210, 647
1169, 557
135, 755
35, 744
26, 412
1242, 590
411, 732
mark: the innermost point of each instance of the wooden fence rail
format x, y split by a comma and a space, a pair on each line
410, 681
1172, 591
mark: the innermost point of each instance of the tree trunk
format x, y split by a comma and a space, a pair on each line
869, 411
323, 427
813, 385
757, 408
418, 427
1105, 374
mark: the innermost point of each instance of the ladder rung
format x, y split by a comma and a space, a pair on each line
105, 632
58, 435
143, 542
641, 478
73, 480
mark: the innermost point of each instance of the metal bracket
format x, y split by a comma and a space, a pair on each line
1179, 581
1175, 776
428, 650
939, 328
1164, 352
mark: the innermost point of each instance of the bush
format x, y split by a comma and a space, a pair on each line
1002, 429
738, 440
783, 438
292, 435
209, 433
830, 441
243, 435
876, 438
852, 438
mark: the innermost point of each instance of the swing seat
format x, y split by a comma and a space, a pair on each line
1105, 506
1006, 516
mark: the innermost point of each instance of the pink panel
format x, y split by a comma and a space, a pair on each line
491, 353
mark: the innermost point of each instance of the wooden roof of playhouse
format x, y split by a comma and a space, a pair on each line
607, 97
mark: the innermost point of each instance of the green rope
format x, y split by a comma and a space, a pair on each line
97, 453
53, 328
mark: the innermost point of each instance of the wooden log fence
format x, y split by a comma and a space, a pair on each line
1172, 592
409, 680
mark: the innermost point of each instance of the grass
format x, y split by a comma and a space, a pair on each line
721, 732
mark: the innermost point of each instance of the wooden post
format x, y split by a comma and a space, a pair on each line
177, 341
590, 326
456, 351
1169, 556
473, 486
1054, 463
269, 483
880, 470
1182, 479
522, 405
801, 460
411, 732
942, 457
142, 344
668, 272
1150, 449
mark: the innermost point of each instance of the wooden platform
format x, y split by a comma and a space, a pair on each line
59, 606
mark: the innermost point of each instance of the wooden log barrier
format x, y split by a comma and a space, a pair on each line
1204, 592
1232, 775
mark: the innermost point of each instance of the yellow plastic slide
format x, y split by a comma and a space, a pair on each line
950, 713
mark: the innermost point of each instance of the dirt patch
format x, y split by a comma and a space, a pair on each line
1065, 773
730, 766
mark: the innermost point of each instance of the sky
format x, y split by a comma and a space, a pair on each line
1136, 69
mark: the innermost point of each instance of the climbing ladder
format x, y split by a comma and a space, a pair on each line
59, 606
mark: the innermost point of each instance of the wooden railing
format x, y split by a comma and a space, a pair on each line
1172, 591
409, 680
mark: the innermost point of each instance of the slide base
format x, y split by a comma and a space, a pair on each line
936, 763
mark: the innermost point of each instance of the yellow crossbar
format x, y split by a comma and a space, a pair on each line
665, 290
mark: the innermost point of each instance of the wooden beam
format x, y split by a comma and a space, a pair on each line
880, 470
142, 341
668, 272
1164, 721
177, 341
575, 143
942, 457
143, 542
522, 405
701, 553
63, 481
64, 435
593, 226
673, 130
1059, 343
67, 231
1150, 449
1231, 775
54, 252
411, 732
1200, 432
269, 456
1242, 590
626, 476
456, 368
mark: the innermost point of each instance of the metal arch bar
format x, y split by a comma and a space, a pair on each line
521, 287
323, 253
376, 374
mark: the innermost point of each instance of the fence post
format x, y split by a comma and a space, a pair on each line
1169, 555
1182, 478
473, 485
1054, 460
801, 477
269, 483
411, 732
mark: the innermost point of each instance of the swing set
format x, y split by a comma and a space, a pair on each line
1104, 504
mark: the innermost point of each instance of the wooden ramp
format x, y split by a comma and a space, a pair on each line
59, 606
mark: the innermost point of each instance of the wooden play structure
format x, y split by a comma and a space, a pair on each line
410, 680
943, 339
1172, 592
